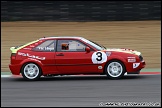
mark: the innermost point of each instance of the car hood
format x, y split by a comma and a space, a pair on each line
123, 50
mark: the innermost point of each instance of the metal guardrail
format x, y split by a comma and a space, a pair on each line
80, 10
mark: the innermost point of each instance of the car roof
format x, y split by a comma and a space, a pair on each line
62, 37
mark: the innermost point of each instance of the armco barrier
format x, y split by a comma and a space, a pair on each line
80, 10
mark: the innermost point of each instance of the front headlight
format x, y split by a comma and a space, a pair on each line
140, 57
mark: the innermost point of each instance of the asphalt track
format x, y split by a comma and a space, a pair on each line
81, 91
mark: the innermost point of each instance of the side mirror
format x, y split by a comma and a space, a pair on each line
87, 49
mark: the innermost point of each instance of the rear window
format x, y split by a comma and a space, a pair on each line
18, 46
47, 46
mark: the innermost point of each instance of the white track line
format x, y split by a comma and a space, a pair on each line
4, 76
19, 76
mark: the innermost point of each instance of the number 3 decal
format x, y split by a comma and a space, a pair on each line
99, 57
99, 54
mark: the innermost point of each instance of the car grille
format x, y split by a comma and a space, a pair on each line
140, 57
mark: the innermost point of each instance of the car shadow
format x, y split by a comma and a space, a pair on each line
73, 78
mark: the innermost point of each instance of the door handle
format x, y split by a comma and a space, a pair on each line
61, 54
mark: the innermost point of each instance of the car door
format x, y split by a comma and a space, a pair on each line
46, 53
71, 57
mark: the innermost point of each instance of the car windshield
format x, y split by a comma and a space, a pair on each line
94, 44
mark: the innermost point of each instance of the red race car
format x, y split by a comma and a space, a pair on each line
72, 55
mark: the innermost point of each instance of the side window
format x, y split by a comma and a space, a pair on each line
70, 45
47, 46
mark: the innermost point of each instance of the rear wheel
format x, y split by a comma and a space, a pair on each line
115, 69
31, 71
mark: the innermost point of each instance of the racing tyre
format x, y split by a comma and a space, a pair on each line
31, 71
115, 69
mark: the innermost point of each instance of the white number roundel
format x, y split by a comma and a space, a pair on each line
99, 57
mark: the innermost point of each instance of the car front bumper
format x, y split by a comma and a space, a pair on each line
131, 70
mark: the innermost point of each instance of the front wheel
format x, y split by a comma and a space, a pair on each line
115, 69
31, 71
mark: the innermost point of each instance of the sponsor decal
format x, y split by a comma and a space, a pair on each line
132, 60
108, 53
135, 65
127, 49
34, 59
31, 56
99, 57
45, 48
130, 57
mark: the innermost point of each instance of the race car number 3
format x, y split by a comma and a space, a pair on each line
99, 57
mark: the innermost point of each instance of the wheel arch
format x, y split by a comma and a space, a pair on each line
28, 77
114, 59
39, 64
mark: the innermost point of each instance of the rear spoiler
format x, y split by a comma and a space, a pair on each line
15, 49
